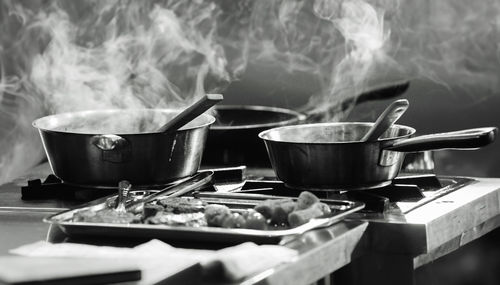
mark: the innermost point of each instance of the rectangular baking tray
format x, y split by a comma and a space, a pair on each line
340, 209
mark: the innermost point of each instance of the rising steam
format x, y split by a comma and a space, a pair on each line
61, 56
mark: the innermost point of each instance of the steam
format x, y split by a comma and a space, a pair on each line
155, 58
62, 56
450, 42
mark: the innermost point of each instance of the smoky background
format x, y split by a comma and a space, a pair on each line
64, 56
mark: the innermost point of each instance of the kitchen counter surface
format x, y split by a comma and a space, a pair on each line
399, 244
320, 252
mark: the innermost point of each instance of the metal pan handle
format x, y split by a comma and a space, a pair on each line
464, 140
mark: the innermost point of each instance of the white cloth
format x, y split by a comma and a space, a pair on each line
157, 259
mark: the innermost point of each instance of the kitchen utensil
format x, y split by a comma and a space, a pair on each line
190, 113
123, 189
233, 138
390, 115
191, 184
99, 148
331, 156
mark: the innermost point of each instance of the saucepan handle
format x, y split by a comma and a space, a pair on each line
463, 140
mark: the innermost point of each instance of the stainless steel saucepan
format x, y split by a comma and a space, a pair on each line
333, 156
102, 147
233, 138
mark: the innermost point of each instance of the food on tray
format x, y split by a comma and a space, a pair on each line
150, 210
294, 213
221, 216
215, 214
194, 212
183, 219
276, 210
255, 220
306, 200
303, 216
105, 216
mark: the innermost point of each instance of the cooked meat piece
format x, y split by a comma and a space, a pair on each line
215, 214
184, 219
305, 200
150, 210
281, 212
233, 220
276, 210
325, 208
105, 216
265, 208
300, 217
255, 220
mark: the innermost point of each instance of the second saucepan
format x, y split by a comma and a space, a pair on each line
331, 156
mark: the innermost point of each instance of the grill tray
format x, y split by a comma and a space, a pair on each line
340, 209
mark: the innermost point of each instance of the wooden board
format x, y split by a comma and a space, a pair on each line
31, 270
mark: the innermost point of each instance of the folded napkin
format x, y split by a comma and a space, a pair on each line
248, 258
158, 260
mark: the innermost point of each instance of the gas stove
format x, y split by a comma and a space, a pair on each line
407, 192
435, 215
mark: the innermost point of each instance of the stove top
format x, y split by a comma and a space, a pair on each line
406, 193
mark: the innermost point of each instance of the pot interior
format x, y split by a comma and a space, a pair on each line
329, 133
243, 116
127, 121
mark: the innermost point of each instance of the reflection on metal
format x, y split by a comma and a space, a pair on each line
419, 162
389, 158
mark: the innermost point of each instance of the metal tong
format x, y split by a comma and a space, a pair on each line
199, 180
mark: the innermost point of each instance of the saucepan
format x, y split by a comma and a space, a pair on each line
332, 156
233, 138
99, 148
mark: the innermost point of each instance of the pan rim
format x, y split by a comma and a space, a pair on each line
297, 117
264, 134
40, 123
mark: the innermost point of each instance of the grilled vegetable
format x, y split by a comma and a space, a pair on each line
255, 220
234, 220
215, 214
276, 210
305, 200
303, 216
184, 219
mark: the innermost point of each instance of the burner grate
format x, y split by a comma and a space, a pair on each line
53, 188
414, 190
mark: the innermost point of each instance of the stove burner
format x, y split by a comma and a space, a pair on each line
406, 192
416, 189
54, 188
